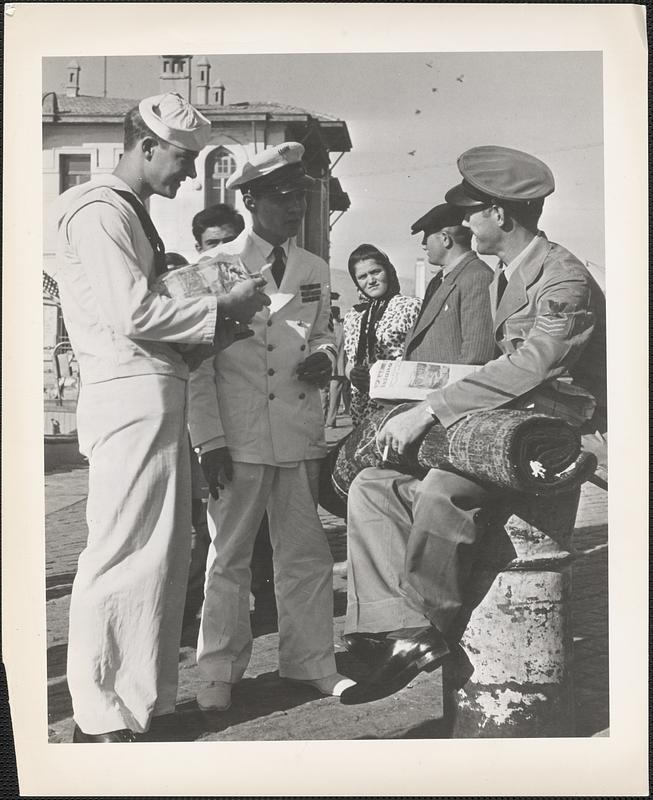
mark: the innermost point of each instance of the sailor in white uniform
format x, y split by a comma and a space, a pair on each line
128, 594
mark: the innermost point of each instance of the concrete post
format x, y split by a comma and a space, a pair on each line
519, 638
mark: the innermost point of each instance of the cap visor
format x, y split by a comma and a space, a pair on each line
458, 196
296, 185
305, 182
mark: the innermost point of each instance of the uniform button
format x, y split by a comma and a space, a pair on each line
270, 372
270, 397
269, 323
270, 348
303, 347
302, 396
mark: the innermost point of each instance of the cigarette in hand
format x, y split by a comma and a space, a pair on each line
386, 451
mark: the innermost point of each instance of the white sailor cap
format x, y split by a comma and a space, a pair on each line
277, 170
175, 120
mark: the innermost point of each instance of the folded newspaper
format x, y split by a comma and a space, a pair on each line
210, 276
413, 380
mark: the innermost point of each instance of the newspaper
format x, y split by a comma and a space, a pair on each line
216, 275
413, 380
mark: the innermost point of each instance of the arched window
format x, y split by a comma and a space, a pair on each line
220, 164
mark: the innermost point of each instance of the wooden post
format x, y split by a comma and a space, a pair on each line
519, 638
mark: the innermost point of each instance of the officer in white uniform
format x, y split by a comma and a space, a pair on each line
128, 594
256, 420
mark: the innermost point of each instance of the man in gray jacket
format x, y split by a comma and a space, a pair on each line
455, 323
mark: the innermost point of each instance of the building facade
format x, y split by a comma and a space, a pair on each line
82, 138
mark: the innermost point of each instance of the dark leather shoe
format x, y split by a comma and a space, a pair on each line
124, 735
409, 652
367, 647
459, 669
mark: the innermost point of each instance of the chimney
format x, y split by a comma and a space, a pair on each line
204, 71
49, 106
175, 75
217, 93
72, 86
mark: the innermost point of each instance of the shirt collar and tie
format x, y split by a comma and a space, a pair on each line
436, 280
506, 271
276, 256
502, 282
514, 265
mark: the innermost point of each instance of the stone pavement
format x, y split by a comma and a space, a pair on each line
265, 708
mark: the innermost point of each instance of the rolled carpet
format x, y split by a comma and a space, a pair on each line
506, 448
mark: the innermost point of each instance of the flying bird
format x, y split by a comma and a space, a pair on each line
460, 78
429, 64
434, 89
418, 111
412, 152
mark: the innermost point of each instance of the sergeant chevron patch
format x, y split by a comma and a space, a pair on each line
553, 326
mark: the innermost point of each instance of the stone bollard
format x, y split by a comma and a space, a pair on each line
519, 637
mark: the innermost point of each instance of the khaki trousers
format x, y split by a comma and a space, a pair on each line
128, 594
412, 546
303, 572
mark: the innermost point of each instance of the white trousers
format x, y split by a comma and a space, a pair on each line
303, 571
128, 594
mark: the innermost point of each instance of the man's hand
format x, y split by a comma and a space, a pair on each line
228, 331
405, 428
596, 443
217, 467
244, 300
315, 370
360, 378
193, 356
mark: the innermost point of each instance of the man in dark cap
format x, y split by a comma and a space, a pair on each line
455, 322
256, 420
549, 327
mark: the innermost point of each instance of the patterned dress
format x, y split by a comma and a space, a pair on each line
391, 332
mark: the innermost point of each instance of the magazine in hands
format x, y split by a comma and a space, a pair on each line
413, 380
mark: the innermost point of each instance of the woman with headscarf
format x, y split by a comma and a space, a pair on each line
377, 327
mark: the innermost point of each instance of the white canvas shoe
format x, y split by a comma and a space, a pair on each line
215, 697
331, 685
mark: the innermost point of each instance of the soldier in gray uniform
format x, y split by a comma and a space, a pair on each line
412, 542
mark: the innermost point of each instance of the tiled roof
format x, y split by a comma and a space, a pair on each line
85, 105
268, 107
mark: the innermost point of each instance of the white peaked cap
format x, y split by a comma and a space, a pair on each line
277, 168
175, 120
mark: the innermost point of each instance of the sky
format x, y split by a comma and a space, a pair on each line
410, 115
